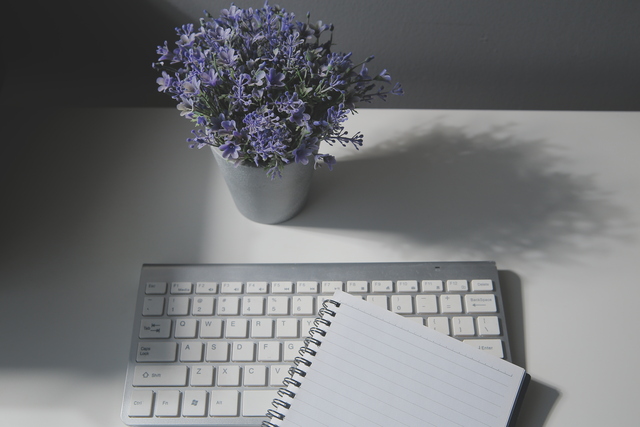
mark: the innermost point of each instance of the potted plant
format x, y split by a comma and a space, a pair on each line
264, 91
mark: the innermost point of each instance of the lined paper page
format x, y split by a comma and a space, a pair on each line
376, 368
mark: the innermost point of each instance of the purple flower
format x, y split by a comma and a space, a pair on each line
299, 117
228, 127
191, 87
326, 158
364, 72
384, 75
258, 78
275, 78
301, 154
222, 33
164, 82
233, 12
209, 77
186, 107
230, 150
227, 56
397, 89
186, 36
165, 53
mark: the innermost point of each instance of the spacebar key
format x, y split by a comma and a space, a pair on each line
149, 376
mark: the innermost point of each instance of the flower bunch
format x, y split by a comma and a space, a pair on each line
264, 88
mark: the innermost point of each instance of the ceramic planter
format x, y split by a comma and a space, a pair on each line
262, 199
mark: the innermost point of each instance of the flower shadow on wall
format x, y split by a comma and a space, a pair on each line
478, 193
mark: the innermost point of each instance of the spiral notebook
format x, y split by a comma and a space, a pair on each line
365, 366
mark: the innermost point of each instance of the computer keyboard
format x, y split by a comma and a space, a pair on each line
212, 343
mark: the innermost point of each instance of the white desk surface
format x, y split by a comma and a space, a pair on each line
552, 197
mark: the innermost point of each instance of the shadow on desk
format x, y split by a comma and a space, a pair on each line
540, 398
484, 193
538, 404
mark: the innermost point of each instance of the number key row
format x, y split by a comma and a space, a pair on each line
231, 305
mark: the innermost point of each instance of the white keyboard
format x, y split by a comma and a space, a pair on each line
212, 343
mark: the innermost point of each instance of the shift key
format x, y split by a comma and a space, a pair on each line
160, 375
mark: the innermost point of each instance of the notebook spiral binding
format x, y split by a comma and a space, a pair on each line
300, 362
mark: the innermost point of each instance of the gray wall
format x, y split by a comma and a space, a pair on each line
491, 54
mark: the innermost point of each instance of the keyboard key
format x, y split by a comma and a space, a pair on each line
243, 351
155, 328
432, 286
255, 403
224, 403
256, 287
277, 374
160, 375
157, 352
261, 328
480, 303
237, 328
140, 404
228, 376
156, 288
206, 288
229, 306
211, 328
331, 286
278, 306
186, 328
291, 349
178, 306
382, 286
252, 306
401, 304
451, 303
181, 287
194, 403
457, 285
379, 300
440, 324
303, 305
287, 328
491, 346
282, 287
488, 325
426, 304
269, 351
321, 299
357, 286
463, 326
203, 306
255, 375
191, 351
217, 351
306, 323
231, 287
202, 375
167, 403
153, 306
407, 285
481, 285
307, 287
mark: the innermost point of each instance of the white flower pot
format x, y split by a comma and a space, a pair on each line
262, 199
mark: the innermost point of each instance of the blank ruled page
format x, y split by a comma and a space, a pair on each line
376, 368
